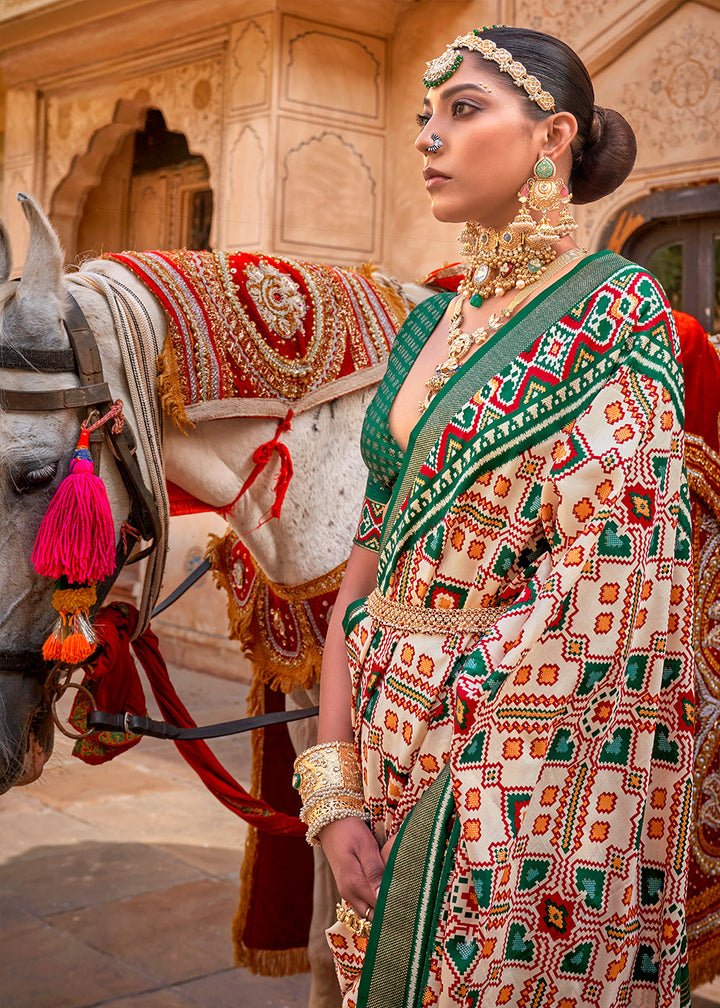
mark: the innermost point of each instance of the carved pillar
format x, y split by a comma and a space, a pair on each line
23, 160
304, 139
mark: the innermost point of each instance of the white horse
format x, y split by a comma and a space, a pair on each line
211, 462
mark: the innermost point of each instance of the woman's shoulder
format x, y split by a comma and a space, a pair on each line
634, 293
630, 276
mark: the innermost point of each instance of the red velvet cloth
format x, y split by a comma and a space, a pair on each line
701, 367
183, 503
115, 685
279, 876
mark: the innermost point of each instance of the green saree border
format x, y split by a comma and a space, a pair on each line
404, 919
414, 333
491, 359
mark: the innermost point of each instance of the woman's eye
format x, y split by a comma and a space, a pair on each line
422, 120
33, 479
463, 108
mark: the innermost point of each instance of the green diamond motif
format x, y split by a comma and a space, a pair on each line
562, 746
462, 951
664, 750
578, 960
617, 748
592, 883
473, 752
517, 948
534, 870
652, 881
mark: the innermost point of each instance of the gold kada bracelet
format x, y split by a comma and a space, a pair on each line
328, 779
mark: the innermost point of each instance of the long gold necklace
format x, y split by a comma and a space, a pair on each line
460, 343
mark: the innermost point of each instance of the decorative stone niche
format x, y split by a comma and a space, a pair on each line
332, 73
329, 192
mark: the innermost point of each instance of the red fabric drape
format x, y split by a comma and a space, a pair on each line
114, 678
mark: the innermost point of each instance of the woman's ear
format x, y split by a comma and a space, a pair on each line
555, 135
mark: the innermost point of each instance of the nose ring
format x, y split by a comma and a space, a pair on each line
435, 145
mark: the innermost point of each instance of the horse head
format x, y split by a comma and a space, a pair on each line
36, 445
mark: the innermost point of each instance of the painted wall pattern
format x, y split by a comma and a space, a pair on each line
575, 22
674, 104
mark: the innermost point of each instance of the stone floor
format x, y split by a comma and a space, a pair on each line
118, 883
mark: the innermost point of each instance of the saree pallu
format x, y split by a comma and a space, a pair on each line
559, 741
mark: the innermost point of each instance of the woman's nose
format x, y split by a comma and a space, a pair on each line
423, 140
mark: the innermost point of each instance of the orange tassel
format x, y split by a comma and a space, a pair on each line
76, 649
72, 639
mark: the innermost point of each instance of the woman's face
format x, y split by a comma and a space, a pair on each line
489, 146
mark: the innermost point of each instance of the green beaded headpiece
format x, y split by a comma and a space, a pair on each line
441, 69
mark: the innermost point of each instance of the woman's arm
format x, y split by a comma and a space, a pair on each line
349, 846
335, 688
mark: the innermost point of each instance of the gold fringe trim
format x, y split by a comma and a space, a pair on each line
246, 622
706, 967
264, 962
169, 384
703, 471
395, 301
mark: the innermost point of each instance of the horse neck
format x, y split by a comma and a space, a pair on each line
314, 531
313, 534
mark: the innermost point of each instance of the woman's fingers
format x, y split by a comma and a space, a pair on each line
355, 860
387, 847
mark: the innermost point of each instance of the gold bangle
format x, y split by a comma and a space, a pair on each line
326, 770
321, 814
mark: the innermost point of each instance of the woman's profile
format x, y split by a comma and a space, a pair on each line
502, 783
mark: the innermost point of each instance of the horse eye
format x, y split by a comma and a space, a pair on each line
33, 479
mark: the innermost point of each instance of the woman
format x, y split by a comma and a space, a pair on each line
514, 725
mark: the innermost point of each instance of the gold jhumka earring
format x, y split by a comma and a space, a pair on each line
498, 261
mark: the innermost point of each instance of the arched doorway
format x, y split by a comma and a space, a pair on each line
675, 234
153, 194
137, 186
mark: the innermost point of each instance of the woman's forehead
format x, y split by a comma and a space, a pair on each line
472, 74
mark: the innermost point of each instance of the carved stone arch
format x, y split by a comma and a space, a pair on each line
108, 163
327, 179
674, 233
640, 210
86, 170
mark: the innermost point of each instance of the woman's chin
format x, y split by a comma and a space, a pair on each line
445, 214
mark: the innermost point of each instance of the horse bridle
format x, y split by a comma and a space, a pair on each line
93, 394
142, 523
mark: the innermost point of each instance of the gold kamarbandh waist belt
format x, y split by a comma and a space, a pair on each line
420, 619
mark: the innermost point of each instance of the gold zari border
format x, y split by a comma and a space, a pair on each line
420, 619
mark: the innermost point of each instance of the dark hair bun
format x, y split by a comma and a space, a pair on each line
604, 149
605, 158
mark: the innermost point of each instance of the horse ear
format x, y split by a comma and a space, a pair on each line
40, 298
5, 254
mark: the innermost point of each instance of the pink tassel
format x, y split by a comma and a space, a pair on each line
76, 539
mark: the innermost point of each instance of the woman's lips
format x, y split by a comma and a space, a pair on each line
434, 178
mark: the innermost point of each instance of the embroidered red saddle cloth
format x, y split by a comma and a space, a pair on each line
245, 327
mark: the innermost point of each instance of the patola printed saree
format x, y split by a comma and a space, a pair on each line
539, 772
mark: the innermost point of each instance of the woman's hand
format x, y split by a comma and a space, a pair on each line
355, 860
387, 848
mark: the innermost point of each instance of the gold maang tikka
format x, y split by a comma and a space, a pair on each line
498, 261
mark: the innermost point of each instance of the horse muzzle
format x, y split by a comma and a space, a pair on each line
26, 726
